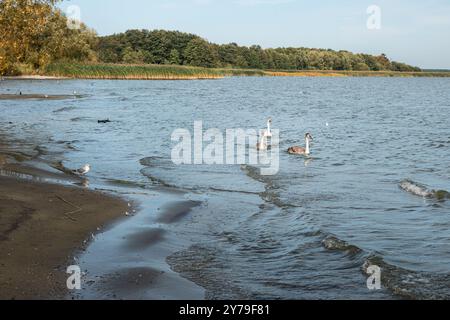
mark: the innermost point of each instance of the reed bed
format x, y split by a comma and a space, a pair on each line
141, 72
303, 74
349, 73
173, 72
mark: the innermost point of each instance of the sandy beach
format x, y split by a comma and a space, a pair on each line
49, 220
42, 226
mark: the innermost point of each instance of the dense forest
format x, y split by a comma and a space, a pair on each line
173, 47
34, 34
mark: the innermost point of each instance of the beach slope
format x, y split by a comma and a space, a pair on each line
41, 228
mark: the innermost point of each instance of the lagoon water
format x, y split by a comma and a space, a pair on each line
304, 233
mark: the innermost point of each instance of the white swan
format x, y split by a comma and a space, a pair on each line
302, 151
268, 133
262, 144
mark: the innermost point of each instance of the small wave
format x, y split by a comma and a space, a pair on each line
401, 282
442, 194
415, 188
41, 151
64, 109
58, 165
271, 192
77, 119
201, 263
18, 156
232, 190
336, 244
422, 191
126, 183
158, 181
154, 161
68, 144
255, 174
183, 187
410, 284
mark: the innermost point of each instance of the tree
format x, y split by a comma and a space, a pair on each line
174, 47
35, 33
201, 53
21, 24
132, 56
174, 57
228, 54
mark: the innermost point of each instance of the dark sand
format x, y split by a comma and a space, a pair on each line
41, 227
42, 232
36, 174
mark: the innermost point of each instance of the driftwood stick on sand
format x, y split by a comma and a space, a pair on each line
68, 214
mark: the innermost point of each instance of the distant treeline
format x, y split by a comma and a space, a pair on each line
178, 48
35, 34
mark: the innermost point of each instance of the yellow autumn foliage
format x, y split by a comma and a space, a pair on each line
35, 33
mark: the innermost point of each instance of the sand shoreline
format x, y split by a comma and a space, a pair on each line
42, 232
42, 227
33, 77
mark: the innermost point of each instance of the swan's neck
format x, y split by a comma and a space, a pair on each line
307, 150
269, 127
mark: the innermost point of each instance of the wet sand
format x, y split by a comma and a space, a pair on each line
42, 226
129, 260
47, 223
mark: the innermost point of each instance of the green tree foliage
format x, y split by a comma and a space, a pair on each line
34, 33
158, 44
200, 53
398, 66
173, 47
174, 57
136, 56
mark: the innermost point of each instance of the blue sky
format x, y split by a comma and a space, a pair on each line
416, 32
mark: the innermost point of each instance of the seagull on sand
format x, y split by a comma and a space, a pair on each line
84, 170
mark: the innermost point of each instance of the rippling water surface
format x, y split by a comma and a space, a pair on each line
255, 236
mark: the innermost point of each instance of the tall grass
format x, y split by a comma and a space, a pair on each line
172, 72
350, 73
140, 72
